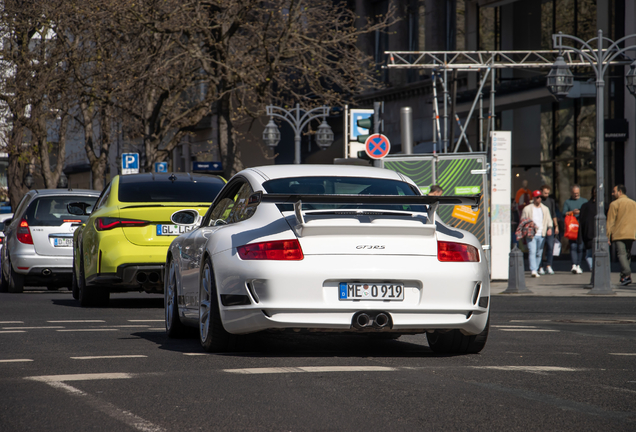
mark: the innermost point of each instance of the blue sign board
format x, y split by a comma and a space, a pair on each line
130, 163
161, 167
207, 166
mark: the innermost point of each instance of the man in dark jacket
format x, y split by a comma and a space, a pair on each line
586, 227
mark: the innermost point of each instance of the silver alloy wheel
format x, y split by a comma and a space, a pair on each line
205, 303
171, 295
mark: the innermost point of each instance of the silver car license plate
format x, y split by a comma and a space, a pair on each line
173, 230
371, 291
62, 242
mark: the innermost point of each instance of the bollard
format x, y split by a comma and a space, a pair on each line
516, 274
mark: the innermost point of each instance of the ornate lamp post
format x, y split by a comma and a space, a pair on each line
298, 119
559, 83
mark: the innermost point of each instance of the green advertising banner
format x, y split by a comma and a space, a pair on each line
453, 175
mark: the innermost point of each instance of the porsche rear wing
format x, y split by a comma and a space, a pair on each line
433, 202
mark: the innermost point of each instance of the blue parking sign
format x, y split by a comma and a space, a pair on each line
161, 167
130, 163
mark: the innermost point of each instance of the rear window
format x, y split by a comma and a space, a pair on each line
343, 186
144, 189
52, 211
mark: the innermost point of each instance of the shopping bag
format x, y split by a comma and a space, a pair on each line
556, 250
571, 227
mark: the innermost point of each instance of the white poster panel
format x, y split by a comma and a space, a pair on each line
500, 196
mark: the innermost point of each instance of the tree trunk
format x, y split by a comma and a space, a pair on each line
230, 153
97, 163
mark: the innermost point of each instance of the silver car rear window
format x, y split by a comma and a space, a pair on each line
52, 211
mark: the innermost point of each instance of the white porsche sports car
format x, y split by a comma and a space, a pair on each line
327, 248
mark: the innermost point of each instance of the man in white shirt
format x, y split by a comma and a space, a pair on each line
540, 215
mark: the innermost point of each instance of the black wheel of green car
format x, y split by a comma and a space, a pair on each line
74, 286
90, 296
454, 342
4, 283
212, 334
16, 281
174, 326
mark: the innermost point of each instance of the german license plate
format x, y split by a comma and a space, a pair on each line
173, 230
62, 242
371, 291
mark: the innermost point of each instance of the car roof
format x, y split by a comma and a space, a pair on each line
65, 192
175, 177
285, 171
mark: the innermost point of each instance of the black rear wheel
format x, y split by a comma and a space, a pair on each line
212, 334
455, 342
74, 286
4, 283
16, 281
90, 296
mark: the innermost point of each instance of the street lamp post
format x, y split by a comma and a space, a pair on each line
298, 119
560, 81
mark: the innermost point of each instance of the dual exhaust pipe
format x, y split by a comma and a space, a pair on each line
152, 277
378, 320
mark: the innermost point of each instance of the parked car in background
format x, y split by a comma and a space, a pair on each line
38, 243
328, 248
122, 246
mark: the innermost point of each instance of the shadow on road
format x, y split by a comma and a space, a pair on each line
270, 345
117, 303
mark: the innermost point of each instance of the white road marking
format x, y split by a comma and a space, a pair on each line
128, 325
513, 326
15, 360
530, 321
623, 354
11, 322
146, 320
130, 419
13, 331
158, 328
311, 369
80, 377
32, 328
528, 330
530, 368
109, 357
77, 321
88, 330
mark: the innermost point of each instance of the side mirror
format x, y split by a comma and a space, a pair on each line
7, 223
185, 217
79, 208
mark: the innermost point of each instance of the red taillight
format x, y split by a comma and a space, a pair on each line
456, 252
24, 233
106, 223
272, 250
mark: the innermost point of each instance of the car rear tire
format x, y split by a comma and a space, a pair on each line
16, 281
74, 287
454, 342
212, 334
90, 296
174, 326
4, 283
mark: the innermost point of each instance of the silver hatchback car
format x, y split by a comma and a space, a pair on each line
38, 243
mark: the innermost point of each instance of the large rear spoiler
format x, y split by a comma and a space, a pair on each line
433, 202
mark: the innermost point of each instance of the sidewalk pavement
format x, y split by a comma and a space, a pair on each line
566, 284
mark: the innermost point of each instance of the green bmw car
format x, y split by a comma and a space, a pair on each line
123, 244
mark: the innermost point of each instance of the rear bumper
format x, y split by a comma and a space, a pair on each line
42, 270
131, 277
304, 294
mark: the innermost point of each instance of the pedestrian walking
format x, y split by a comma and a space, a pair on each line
573, 206
549, 239
540, 215
587, 226
621, 229
522, 197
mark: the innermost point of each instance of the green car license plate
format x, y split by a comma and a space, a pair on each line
173, 230
370, 291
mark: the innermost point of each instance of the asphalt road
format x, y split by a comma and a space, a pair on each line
550, 364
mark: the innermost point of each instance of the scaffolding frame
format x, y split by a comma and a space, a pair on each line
484, 63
